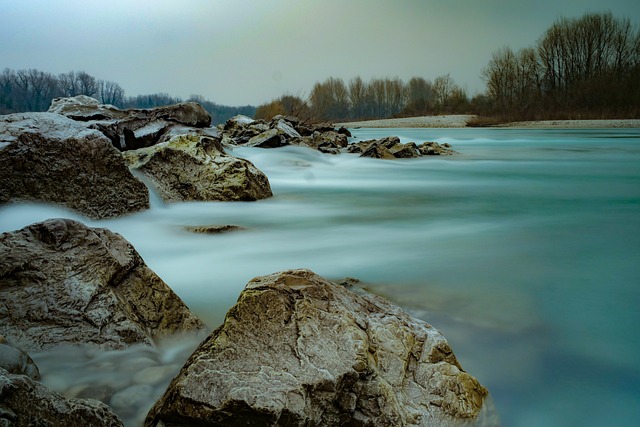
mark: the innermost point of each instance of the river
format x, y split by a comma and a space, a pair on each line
523, 250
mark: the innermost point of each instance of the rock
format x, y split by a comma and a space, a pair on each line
213, 229
297, 350
25, 403
16, 361
344, 131
377, 151
391, 148
48, 157
191, 167
240, 129
272, 138
133, 128
286, 128
435, 149
327, 142
282, 131
64, 283
84, 108
405, 151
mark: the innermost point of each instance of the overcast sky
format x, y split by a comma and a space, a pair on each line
238, 52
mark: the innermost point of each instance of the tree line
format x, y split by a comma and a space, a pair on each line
33, 90
587, 67
335, 99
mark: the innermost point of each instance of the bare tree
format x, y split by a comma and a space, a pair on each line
419, 96
357, 98
110, 93
330, 99
443, 87
87, 85
33, 90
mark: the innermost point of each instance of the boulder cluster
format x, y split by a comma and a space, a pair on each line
391, 148
282, 131
296, 350
81, 155
324, 137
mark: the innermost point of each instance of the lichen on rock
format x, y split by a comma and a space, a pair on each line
195, 167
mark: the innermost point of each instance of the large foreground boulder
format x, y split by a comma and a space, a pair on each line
26, 403
64, 283
297, 350
192, 167
133, 128
48, 157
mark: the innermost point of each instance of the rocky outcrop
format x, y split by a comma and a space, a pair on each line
25, 403
297, 350
48, 157
64, 283
391, 148
191, 167
282, 131
134, 128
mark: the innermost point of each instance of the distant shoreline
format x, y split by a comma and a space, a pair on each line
460, 121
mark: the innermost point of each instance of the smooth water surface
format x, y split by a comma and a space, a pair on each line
524, 250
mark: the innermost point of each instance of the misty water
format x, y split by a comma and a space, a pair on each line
523, 250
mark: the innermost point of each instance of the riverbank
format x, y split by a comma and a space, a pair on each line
460, 121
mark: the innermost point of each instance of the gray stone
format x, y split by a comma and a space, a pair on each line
272, 138
16, 361
26, 403
50, 158
297, 350
192, 167
64, 283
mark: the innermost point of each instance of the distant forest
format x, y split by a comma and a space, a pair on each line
581, 68
33, 90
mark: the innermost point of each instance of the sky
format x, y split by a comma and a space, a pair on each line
239, 52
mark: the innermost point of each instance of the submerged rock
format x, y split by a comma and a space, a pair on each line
64, 283
25, 403
191, 167
48, 157
297, 350
213, 229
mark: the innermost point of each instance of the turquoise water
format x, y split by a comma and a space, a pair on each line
524, 250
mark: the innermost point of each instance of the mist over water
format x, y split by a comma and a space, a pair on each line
523, 251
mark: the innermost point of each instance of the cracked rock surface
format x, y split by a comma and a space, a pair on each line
298, 350
64, 283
